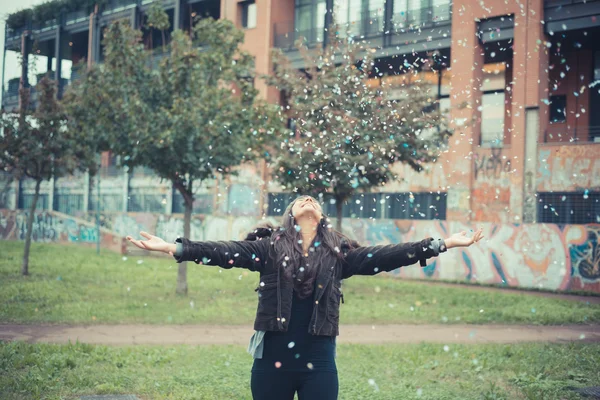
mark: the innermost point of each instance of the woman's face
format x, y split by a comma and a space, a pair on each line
307, 207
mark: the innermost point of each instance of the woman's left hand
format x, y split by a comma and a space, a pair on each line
462, 240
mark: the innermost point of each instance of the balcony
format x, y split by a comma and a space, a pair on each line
572, 135
571, 15
423, 27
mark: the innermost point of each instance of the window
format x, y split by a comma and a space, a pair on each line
108, 202
146, 202
424, 206
558, 111
203, 203
375, 17
361, 205
309, 20
415, 205
248, 14
67, 203
492, 119
26, 200
348, 16
569, 207
278, 203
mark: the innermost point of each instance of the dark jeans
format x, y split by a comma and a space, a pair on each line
281, 385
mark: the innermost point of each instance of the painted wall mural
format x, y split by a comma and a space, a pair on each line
491, 194
568, 168
52, 226
558, 257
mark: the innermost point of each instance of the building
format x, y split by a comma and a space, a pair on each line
528, 141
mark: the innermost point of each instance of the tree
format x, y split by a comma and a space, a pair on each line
159, 19
194, 117
38, 144
349, 134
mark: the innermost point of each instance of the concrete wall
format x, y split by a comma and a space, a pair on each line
545, 256
54, 227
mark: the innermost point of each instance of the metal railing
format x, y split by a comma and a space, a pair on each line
45, 25
76, 17
560, 3
285, 36
369, 25
113, 6
422, 17
575, 134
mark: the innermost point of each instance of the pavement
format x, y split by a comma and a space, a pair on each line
239, 335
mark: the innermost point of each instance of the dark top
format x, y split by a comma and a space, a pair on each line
276, 293
296, 350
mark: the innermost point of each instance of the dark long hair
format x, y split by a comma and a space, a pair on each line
325, 250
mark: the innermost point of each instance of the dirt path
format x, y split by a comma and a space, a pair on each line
240, 335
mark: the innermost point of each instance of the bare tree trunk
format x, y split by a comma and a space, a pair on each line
162, 31
339, 203
25, 266
182, 286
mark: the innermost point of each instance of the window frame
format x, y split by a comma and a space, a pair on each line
245, 6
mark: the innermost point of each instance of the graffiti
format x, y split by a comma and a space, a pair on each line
45, 227
586, 255
52, 226
568, 168
458, 198
491, 166
80, 233
132, 224
432, 178
490, 202
558, 257
529, 202
537, 256
7, 224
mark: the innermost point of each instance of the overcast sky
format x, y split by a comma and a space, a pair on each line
7, 7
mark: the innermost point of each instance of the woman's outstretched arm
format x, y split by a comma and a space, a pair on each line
374, 259
250, 255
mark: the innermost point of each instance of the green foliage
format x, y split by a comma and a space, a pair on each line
113, 102
387, 372
157, 17
349, 135
194, 116
49, 10
37, 144
19, 19
114, 290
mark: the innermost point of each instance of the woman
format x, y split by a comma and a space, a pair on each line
301, 267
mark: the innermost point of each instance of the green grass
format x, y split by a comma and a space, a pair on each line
70, 284
423, 371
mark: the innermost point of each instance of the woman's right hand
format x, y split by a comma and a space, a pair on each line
154, 243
